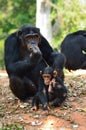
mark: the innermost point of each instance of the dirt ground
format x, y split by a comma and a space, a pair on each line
69, 116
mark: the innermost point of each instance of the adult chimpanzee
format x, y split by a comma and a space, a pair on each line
51, 89
26, 53
74, 48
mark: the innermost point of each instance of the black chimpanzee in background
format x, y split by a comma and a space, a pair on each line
74, 48
26, 53
51, 90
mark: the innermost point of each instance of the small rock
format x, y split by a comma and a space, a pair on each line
75, 126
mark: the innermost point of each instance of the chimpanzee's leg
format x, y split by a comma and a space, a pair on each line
35, 102
40, 97
22, 88
57, 101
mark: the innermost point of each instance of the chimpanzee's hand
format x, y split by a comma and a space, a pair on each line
35, 58
34, 108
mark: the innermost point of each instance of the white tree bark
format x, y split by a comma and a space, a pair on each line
82, 2
43, 19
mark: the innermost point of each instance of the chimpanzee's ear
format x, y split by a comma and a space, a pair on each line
55, 73
19, 33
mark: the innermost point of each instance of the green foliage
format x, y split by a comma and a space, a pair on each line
17, 12
1, 55
11, 127
70, 16
66, 16
13, 14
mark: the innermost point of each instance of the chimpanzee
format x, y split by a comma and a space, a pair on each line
26, 53
51, 89
74, 48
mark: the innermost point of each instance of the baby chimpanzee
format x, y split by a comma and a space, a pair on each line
50, 90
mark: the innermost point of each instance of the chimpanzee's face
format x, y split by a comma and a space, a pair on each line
30, 39
46, 78
47, 74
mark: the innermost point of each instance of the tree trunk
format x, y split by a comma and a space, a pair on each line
82, 2
43, 19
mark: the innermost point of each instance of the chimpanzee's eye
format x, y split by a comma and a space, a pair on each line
36, 37
28, 38
46, 76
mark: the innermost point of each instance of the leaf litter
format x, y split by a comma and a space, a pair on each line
12, 111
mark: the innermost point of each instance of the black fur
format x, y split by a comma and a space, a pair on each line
26, 53
74, 48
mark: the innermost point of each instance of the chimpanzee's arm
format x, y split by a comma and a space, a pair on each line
60, 93
49, 55
57, 101
13, 61
46, 50
60, 82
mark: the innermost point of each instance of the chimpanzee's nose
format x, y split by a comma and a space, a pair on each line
32, 42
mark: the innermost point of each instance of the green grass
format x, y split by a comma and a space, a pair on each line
12, 127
